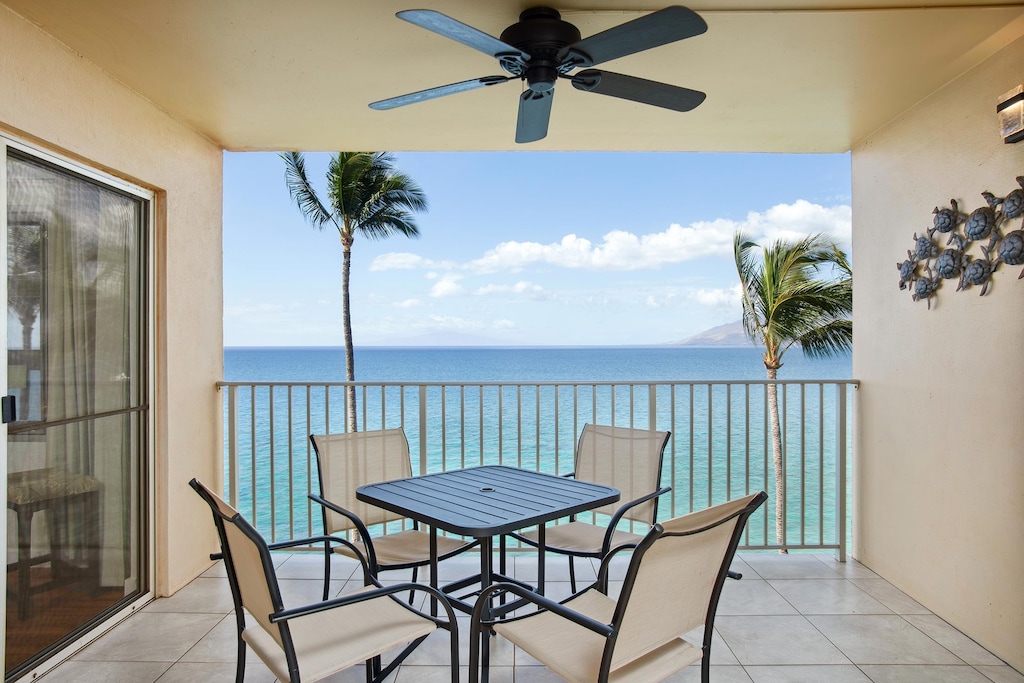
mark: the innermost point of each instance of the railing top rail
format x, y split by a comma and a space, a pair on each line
559, 383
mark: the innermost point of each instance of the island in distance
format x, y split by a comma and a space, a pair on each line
730, 334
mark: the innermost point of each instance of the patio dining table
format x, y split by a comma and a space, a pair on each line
484, 502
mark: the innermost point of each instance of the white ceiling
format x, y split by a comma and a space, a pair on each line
807, 76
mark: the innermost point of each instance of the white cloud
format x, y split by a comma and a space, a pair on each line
403, 260
623, 250
718, 298
408, 303
503, 324
398, 260
802, 218
534, 291
447, 285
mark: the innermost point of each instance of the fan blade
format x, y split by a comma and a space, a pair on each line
439, 91
658, 28
444, 25
637, 89
534, 114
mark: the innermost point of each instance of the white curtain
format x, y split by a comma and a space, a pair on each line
90, 338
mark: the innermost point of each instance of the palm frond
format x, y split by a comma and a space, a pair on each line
788, 300
302, 192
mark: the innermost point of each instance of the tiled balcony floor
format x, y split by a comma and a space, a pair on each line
791, 618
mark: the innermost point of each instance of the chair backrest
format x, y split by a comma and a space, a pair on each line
628, 459
348, 461
247, 560
675, 578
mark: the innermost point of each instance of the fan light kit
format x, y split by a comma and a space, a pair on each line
542, 47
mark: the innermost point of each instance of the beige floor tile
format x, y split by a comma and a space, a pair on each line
954, 641
151, 637
777, 640
1002, 674
719, 674
890, 596
204, 595
922, 674
851, 569
216, 672
107, 672
752, 596
791, 566
218, 646
807, 674
880, 639
826, 596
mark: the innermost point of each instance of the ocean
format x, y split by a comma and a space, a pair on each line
525, 407
521, 364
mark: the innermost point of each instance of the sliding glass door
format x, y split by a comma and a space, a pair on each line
76, 403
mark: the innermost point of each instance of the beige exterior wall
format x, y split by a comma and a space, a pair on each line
57, 100
939, 504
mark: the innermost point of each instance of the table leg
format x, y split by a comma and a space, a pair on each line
541, 540
433, 569
486, 567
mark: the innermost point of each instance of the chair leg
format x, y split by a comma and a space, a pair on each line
327, 570
24, 565
412, 594
572, 573
240, 667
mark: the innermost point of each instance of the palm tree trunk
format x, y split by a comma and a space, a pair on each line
773, 416
346, 314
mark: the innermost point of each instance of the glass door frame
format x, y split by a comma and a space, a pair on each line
148, 465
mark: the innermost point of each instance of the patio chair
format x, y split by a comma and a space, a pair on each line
628, 459
348, 461
672, 586
314, 641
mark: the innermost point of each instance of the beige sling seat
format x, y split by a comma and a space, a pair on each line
672, 586
628, 459
348, 461
314, 641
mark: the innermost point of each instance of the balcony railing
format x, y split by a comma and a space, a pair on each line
720, 446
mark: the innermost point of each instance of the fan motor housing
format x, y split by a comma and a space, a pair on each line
542, 34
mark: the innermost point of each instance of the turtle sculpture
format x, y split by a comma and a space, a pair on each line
1011, 251
923, 248
1013, 203
980, 223
977, 271
908, 272
987, 226
951, 263
925, 287
946, 220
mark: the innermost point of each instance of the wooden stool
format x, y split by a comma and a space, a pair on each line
56, 491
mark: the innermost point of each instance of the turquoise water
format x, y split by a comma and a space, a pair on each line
718, 449
477, 364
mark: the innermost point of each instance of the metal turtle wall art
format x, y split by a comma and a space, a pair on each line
978, 243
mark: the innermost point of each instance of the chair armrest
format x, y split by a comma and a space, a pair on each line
544, 603
380, 591
602, 570
364, 533
606, 546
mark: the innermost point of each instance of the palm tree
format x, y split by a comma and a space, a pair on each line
787, 302
366, 196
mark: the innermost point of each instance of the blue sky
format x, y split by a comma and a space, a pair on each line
521, 248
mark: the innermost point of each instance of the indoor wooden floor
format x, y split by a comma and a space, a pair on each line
54, 613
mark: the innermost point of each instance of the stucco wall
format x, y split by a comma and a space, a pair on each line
939, 507
53, 98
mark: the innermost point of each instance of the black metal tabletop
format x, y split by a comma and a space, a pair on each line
486, 501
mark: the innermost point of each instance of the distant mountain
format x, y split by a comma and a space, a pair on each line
730, 334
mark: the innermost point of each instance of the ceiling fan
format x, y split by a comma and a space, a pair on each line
542, 47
